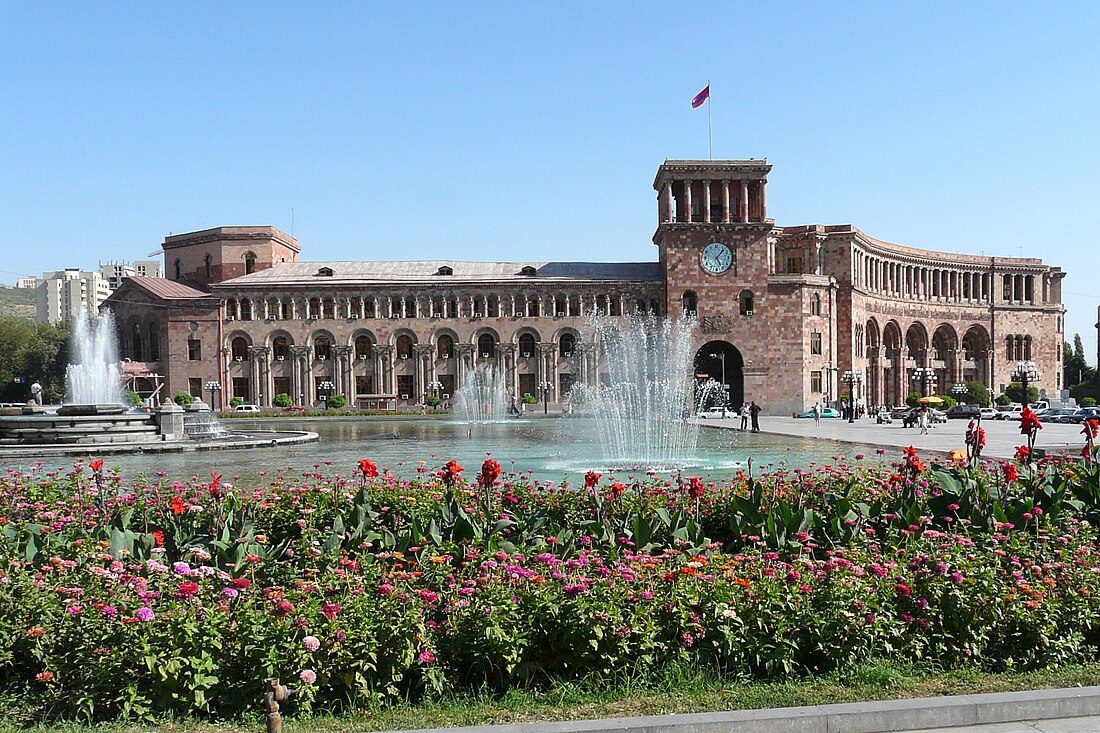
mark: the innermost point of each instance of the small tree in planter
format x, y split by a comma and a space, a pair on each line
236, 401
282, 400
337, 401
183, 399
433, 402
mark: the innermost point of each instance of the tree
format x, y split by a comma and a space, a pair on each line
977, 394
282, 400
32, 351
1015, 392
183, 399
1076, 369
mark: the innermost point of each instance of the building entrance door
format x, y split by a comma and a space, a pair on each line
722, 362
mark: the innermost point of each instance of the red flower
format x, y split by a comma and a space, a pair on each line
912, 462
490, 469
1010, 471
902, 589
158, 538
367, 468
1029, 422
1022, 453
97, 465
178, 507
331, 610
1090, 428
591, 479
187, 589
241, 583
215, 485
695, 488
615, 490
452, 473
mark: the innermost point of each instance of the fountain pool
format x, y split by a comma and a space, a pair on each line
552, 449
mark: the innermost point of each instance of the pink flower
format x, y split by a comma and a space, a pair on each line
426, 657
307, 676
331, 610
145, 614
311, 643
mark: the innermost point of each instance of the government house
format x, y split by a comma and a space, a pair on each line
783, 312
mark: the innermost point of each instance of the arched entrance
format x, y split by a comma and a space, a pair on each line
722, 362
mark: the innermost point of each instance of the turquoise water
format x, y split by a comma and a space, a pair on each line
552, 449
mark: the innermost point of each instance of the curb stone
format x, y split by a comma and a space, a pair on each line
883, 716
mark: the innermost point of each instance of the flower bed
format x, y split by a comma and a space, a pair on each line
137, 597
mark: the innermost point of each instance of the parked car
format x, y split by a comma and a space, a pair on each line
963, 412
715, 413
825, 412
988, 413
1085, 413
883, 418
935, 417
1058, 414
1010, 412
900, 412
246, 408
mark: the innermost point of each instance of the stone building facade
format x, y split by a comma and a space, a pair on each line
782, 312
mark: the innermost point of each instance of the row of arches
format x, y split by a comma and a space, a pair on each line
973, 284
746, 302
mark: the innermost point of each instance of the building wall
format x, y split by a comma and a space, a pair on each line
61, 295
214, 255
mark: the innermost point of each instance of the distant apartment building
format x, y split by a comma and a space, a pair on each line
63, 294
27, 283
116, 272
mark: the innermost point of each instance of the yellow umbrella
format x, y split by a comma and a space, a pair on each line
930, 400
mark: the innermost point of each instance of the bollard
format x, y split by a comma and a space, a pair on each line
274, 695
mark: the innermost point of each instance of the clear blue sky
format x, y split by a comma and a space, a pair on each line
516, 130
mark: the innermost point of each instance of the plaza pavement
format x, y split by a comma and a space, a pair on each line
1002, 436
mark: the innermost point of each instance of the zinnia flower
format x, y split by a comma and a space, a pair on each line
145, 614
367, 468
307, 676
311, 643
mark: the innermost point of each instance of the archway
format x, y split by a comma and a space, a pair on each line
722, 362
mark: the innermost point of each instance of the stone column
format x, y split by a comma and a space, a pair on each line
341, 369
687, 200
744, 202
763, 199
706, 201
726, 202
464, 361
666, 202
422, 354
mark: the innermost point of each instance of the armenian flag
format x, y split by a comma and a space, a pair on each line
701, 97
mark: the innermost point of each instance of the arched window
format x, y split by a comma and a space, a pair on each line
1027, 348
176, 265
445, 346
208, 261
526, 345
363, 347
137, 353
239, 346
280, 348
154, 344
745, 301
486, 346
322, 349
404, 347
815, 304
410, 307
246, 309
691, 302
249, 263
566, 344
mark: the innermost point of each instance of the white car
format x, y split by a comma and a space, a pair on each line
988, 413
246, 408
714, 413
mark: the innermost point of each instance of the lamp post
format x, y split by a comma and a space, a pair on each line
851, 379
725, 392
545, 387
959, 390
213, 386
925, 377
435, 387
1025, 372
326, 388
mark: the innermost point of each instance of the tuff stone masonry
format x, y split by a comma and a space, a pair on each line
784, 313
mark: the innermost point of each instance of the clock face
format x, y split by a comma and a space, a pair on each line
717, 258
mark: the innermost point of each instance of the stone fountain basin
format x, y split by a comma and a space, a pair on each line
85, 429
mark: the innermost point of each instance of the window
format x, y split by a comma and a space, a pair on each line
176, 265
445, 270
794, 264
815, 304
194, 387
526, 345
566, 344
815, 342
815, 382
280, 348
194, 350
249, 263
240, 348
404, 347
745, 302
208, 262
446, 346
322, 348
362, 347
486, 346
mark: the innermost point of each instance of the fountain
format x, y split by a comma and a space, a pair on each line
483, 397
640, 410
93, 378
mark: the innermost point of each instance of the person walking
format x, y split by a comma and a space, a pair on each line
922, 421
817, 413
754, 412
36, 392
745, 416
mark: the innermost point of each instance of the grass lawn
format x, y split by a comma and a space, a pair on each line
678, 692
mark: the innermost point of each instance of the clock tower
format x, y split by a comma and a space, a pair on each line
715, 245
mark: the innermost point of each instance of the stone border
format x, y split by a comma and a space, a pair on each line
237, 441
882, 716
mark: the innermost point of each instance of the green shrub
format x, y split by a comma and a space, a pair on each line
1088, 402
1081, 392
530, 399
282, 400
133, 399
433, 401
337, 401
183, 399
977, 394
911, 400
948, 401
1015, 392
1003, 400
236, 401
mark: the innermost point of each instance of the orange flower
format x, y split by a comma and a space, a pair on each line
743, 582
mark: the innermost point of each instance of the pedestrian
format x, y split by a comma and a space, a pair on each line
754, 412
922, 421
817, 413
36, 392
745, 416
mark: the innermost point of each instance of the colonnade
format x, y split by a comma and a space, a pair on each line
960, 284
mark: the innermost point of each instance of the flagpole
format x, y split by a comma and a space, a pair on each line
710, 132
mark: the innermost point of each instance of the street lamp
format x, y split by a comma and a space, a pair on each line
851, 379
725, 391
326, 388
1024, 372
435, 387
545, 387
925, 377
959, 389
213, 386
